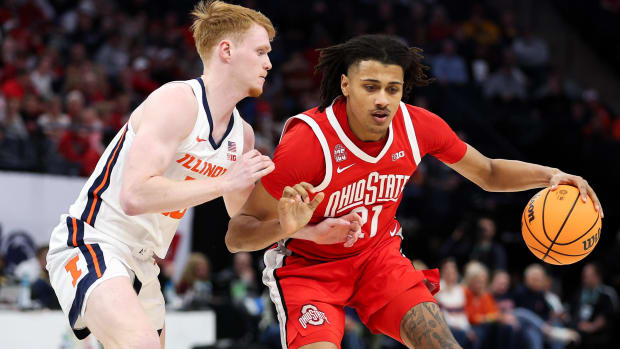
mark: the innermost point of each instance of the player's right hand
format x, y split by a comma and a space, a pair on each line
250, 167
295, 207
347, 229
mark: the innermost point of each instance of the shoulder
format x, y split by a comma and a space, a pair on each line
421, 114
248, 136
174, 96
172, 108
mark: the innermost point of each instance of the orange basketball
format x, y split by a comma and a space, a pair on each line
558, 227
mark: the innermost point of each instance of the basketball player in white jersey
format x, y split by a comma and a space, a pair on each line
184, 145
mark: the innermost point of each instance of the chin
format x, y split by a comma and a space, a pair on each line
255, 91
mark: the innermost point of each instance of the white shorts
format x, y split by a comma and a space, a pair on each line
80, 258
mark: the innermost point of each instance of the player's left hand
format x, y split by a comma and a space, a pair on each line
584, 188
295, 207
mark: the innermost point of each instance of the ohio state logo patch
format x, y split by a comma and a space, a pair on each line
311, 315
340, 153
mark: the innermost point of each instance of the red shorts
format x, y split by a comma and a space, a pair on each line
380, 284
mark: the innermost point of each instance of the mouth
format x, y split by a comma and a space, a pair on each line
380, 116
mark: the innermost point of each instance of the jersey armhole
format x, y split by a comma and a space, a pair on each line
413, 141
324, 145
189, 141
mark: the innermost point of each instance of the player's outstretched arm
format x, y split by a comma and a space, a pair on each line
513, 175
161, 123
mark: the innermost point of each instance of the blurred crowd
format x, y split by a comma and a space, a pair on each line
72, 71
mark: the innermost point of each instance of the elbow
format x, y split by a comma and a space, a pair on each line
232, 244
129, 204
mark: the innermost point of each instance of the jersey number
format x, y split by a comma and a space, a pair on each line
181, 213
363, 212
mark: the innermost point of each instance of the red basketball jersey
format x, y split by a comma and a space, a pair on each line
323, 154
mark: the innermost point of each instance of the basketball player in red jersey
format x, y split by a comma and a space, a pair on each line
353, 155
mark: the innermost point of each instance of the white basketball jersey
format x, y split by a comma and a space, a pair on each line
197, 157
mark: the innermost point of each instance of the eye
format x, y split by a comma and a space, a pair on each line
393, 90
370, 88
261, 52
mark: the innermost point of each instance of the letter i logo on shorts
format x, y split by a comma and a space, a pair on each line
310, 314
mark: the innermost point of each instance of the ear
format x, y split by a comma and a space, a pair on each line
344, 85
224, 50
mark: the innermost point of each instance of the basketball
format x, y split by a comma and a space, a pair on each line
558, 227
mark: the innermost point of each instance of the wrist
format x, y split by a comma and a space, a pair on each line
302, 234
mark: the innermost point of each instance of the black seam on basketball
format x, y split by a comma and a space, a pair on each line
530, 231
541, 252
562, 227
584, 234
543, 217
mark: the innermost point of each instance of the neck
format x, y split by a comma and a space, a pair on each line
222, 94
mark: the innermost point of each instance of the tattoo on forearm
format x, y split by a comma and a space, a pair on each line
425, 328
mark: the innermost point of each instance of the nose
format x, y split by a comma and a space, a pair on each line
381, 99
268, 64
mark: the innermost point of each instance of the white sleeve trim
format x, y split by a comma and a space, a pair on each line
413, 140
322, 140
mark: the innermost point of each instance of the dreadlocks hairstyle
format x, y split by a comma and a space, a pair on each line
336, 60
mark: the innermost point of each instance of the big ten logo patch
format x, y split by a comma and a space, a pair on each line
396, 156
310, 314
340, 153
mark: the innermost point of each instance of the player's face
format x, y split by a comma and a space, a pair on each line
373, 91
251, 60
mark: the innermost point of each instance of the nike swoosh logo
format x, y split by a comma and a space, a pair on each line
198, 139
393, 231
340, 170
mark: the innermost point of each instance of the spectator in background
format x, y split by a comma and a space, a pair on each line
451, 300
594, 309
41, 290
481, 29
16, 150
81, 144
195, 286
458, 245
75, 104
13, 122
53, 122
440, 27
3, 278
448, 66
17, 86
43, 77
534, 313
491, 327
500, 289
486, 250
530, 51
353, 330
506, 84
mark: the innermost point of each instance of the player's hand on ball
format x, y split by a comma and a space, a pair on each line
347, 229
295, 207
249, 168
584, 188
